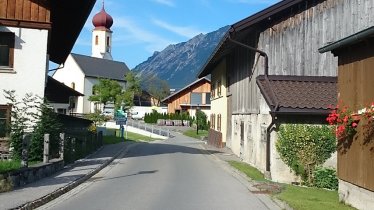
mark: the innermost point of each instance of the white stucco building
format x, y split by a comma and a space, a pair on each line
82, 72
29, 41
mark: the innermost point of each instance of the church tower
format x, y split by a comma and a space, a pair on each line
102, 35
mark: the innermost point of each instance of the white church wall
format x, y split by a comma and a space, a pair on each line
71, 73
30, 63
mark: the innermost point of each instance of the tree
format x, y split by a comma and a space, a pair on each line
133, 86
156, 87
23, 117
106, 91
47, 123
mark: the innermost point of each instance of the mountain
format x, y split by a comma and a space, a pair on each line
179, 63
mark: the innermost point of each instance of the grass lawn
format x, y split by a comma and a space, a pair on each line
6, 165
299, 198
130, 137
303, 198
192, 133
9, 165
250, 171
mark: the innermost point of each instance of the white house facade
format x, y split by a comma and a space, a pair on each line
82, 72
27, 73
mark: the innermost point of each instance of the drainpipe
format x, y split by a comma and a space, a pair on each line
272, 112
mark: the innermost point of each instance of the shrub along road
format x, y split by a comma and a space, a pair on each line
171, 174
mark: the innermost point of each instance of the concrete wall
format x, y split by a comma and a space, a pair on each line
30, 63
71, 73
355, 196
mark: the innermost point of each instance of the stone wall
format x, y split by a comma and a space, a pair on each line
21, 177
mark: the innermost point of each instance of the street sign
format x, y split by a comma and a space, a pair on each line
121, 122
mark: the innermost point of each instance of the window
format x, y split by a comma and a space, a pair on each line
207, 98
96, 40
107, 44
219, 88
228, 83
213, 121
219, 122
213, 91
6, 49
4, 120
196, 98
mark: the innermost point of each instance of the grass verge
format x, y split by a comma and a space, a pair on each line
305, 198
130, 137
250, 171
8, 165
299, 198
192, 133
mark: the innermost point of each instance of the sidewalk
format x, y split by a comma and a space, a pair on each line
223, 155
45, 190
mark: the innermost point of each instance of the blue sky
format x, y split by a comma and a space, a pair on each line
144, 26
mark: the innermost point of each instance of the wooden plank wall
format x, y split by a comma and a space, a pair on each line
292, 46
25, 10
356, 85
184, 97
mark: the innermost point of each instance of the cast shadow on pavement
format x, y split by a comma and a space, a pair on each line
144, 149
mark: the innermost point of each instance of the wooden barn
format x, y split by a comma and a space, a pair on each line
356, 90
274, 49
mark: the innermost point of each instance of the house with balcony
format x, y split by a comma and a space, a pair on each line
194, 96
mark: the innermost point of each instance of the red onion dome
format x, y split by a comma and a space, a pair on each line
102, 20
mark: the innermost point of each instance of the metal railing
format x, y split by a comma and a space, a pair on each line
150, 128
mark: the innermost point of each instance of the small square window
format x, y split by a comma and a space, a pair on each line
6, 49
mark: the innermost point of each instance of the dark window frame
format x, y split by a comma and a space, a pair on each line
219, 84
8, 39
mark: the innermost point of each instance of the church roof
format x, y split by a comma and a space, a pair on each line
101, 68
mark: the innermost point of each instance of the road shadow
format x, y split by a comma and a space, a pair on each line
144, 149
99, 179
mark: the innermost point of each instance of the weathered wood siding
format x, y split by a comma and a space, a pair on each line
25, 10
292, 46
356, 85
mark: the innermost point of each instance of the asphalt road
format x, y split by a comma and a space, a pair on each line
171, 174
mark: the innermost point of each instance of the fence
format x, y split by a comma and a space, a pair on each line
150, 128
79, 144
73, 145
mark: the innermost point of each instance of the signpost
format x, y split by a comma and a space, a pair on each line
121, 119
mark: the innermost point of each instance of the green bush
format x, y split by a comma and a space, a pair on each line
303, 147
202, 120
47, 124
154, 116
325, 178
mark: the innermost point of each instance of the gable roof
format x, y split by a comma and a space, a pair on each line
68, 18
57, 92
299, 94
259, 20
101, 68
348, 41
186, 87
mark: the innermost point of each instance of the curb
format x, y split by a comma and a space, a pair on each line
57, 193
